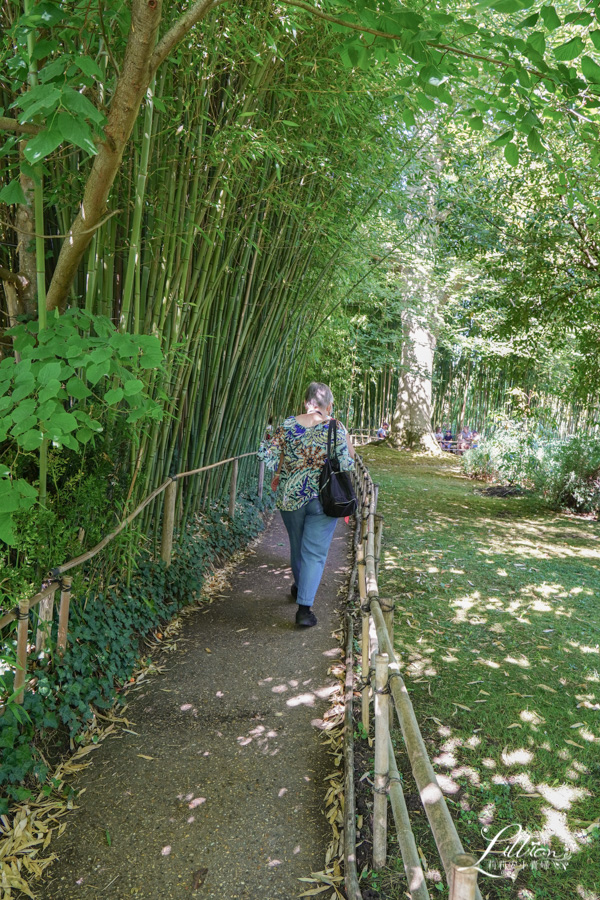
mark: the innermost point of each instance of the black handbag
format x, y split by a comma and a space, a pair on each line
335, 488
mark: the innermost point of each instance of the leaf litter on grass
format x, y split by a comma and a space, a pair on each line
499, 595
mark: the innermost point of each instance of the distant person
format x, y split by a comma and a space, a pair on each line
464, 439
439, 435
381, 432
447, 440
298, 450
474, 440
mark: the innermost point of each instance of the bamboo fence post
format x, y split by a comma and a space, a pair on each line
365, 654
261, 478
63, 613
415, 877
382, 762
378, 540
21, 670
463, 883
45, 613
233, 488
166, 547
387, 608
376, 493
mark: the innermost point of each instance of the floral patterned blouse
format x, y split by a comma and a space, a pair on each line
304, 449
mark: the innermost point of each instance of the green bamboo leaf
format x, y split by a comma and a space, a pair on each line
569, 50
590, 69
13, 193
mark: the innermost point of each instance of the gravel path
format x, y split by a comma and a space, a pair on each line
230, 806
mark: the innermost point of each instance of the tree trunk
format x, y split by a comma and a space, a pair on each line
411, 422
131, 88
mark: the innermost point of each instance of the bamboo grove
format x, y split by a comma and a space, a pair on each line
232, 208
268, 170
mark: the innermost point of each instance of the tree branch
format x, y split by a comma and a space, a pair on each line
448, 48
16, 278
194, 14
8, 124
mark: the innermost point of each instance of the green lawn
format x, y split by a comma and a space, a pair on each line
498, 632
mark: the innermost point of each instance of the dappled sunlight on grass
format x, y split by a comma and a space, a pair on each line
498, 635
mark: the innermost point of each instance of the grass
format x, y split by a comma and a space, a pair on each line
498, 632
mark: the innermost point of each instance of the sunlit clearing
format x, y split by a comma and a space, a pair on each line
516, 757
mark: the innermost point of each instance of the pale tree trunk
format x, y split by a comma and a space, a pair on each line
411, 422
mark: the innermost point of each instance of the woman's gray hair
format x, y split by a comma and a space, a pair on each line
319, 394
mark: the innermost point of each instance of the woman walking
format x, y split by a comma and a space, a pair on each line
298, 450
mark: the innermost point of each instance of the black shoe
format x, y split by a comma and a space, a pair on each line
305, 616
294, 591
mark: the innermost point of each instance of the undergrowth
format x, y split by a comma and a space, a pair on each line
106, 632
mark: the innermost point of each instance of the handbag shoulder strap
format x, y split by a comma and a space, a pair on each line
332, 429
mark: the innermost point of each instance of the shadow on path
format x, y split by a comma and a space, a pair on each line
230, 805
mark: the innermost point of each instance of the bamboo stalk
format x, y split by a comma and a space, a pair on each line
233, 488
415, 877
63, 614
46, 611
21, 670
442, 826
350, 871
382, 762
261, 478
463, 883
166, 549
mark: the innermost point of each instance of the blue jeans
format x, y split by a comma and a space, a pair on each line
310, 532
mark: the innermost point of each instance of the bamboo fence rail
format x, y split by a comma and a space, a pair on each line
383, 680
45, 597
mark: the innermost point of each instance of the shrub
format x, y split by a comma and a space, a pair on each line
511, 454
570, 474
105, 634
566, 472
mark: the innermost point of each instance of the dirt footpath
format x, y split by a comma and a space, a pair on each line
229, 804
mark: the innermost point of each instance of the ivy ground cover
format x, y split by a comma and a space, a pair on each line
498, 634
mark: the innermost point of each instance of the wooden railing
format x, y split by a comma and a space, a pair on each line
381, 680
46, 597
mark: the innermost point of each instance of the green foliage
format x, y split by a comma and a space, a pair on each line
56, 391
565, 472
105, 643
569, 474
